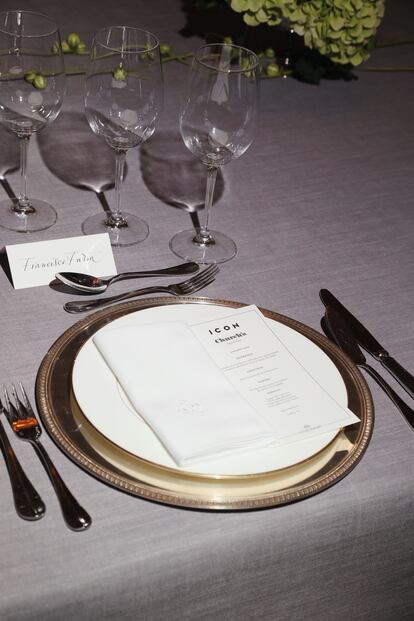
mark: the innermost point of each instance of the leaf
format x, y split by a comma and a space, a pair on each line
369, 22
336, 23
255, 5
250, 19
262, 16
356, 59
356, 31
300, 30
358, 4
366, 11
239, 5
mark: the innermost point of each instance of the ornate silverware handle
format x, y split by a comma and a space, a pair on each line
82, 306
27, 501
74, 515
402, 376
405, 410
184, 268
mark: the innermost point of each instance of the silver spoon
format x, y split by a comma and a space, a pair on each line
94, 284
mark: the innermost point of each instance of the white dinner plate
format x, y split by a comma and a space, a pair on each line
109, 411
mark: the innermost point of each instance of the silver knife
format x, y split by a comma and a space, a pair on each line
369, 342
337, 330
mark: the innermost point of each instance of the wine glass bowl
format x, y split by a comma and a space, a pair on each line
217, 124
123, 101
32, 88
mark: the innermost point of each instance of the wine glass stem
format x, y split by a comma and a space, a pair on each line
116, 218
204, 236
23, 205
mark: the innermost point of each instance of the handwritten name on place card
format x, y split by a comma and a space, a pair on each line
36, 263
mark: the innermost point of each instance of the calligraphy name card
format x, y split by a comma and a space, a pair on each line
36, 263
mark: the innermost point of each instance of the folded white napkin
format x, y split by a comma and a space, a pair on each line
179, 391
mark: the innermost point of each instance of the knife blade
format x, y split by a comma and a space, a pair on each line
369, 342
336, 329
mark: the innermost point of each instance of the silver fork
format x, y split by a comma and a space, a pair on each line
24, 423
197, 282
27, 501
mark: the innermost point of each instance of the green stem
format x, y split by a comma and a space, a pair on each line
274, 77
74, 71
177, 57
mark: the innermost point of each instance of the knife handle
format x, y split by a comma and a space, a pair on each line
399, 373
405, 410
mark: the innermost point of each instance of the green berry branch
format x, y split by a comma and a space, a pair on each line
270, 67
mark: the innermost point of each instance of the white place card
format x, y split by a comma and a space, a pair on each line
35, 264
270, 378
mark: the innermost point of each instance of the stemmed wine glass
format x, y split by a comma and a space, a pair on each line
123, 100
217, 124
32, 87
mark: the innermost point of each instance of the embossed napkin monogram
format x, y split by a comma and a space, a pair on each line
36, 263
180, 392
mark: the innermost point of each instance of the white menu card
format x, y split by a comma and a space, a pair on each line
269, 377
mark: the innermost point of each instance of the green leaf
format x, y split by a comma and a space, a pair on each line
262, 16
356, 31
255, 5
250, 19
239, 5
335, 35
274, 21
366, 11
297, 15
369, 22
356, 59
337, 23
299, 29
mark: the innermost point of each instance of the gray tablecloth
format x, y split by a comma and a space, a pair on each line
323, 198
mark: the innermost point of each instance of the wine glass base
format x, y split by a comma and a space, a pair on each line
43, 216
184, 246
130, 231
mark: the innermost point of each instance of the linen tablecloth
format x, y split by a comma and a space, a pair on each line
323, 198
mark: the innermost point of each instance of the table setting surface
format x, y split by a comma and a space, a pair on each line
323, 199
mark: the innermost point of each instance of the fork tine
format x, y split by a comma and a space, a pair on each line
201, 276
9, 408
200, 283
195, 282
205, 278
3, 408
26, 402
203, 282
196, 288
208, 270
21, 410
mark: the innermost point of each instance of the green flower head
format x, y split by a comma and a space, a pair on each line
342, 30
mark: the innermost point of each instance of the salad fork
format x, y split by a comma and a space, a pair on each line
186, 287
24, 423
27, 501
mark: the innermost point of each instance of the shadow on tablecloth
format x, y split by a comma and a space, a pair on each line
174, 175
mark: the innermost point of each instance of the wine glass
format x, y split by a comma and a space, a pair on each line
32, 87
217, 124
123, 100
